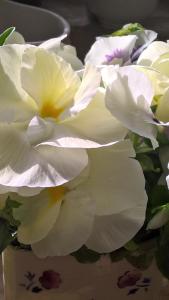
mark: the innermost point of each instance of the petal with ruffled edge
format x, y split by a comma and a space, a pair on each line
114, 231
109, 183
129, 98
72, 228
22, 165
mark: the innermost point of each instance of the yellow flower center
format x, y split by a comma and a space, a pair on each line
56, 194
48, 110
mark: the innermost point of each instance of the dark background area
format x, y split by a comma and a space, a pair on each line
84, 27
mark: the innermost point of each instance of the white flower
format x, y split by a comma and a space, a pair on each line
111, 50
152, 53
128, 97
155, 60
103, 208
43, 102
119, 50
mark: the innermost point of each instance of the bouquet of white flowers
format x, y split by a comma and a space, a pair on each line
84, 148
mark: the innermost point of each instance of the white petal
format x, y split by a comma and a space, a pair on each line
154, 50
68, 53
95, 123
13, 99
87, 90
22, 165
109, 182
37, 216
113, 232
71, 229
129, 98
107, 46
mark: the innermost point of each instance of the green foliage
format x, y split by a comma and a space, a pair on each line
128, 29
4, 35
141, 261
6, 234
85, 255
8, 225
140, 144
147, 163
117, 255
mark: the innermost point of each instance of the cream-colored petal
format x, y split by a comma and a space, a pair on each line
14, 102
154, 50
161, 64
129, 99
49, 80
162, 111
72, 228
113, 232
96, 123
23, 165
37, 216
115, 181
87, 90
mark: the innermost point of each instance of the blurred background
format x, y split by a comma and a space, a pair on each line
86, 23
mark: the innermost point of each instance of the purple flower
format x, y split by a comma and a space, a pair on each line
50, 280
129, 278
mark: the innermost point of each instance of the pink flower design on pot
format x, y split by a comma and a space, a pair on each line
50, 280
129, 278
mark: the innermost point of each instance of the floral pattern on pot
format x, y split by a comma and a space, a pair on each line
47, 281
133, 281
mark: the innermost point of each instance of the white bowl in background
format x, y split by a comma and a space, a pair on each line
34, 23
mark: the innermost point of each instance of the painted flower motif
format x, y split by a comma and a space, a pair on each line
103, 208
130, 278
50, 280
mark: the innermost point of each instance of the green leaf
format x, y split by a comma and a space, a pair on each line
159, 196
85, 255
147, 163
117, 255
131, 246
142, 261
140, 144
6, 34
7, 212
128, 29
6, 234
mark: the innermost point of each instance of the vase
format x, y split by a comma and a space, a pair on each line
50, 24
27, 277
115, 13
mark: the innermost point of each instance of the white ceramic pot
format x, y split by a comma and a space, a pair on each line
112, 12
35, 24
63, 278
